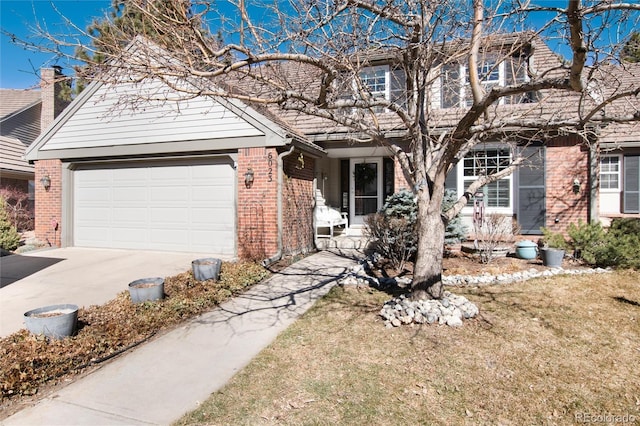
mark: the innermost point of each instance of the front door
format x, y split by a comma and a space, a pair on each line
365, 188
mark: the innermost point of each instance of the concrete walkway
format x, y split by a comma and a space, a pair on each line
167, 377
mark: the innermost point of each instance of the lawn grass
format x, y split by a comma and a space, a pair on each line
546, 351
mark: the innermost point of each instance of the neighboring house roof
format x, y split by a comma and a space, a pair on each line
20, 113
12, 156
14, 100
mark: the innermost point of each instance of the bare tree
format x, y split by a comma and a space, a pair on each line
310, 58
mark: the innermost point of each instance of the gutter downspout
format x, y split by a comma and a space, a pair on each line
278, 254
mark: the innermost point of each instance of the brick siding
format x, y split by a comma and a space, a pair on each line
48, 206
257, 203
297, 204
399, 180
566, 159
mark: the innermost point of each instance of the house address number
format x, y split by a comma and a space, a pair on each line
270, 165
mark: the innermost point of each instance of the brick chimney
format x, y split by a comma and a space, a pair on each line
52, 82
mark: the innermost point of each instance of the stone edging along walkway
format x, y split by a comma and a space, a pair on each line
451, 309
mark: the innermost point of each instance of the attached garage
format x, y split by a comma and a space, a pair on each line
134, 165
184, 206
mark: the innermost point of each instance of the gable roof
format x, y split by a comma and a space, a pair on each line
20, 114
12, 156
12, 101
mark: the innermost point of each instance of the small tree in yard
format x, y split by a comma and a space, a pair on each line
9, 237
314, 58
18, 208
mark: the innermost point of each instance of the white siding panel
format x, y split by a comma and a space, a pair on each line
106, 120
180, 207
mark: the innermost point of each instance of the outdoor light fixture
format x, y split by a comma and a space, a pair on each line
46, 182
248, 177
576, 186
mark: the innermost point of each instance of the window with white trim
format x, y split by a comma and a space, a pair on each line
380, 82
456, 88
375, 81
484, 162
610, 172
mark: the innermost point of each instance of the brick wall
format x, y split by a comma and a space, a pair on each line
297, 204
400, 181
48, 206
257, 203
566, 159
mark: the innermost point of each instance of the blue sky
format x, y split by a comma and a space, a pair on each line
19, 66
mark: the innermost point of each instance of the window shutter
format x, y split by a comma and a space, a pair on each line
398, 87
531, 192
631, 192
451, 181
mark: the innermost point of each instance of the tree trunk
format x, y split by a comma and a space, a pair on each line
427, 273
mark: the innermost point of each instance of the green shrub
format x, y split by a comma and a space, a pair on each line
455, 231
619, 246
553, 239
586, 240
622, 245
9, 237
401, 204
392, 229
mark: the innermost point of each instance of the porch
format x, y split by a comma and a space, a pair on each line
354, 239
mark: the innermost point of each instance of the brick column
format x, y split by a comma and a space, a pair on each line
257, 203
48, 205
297, 204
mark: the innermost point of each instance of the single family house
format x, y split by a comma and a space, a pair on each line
210, 174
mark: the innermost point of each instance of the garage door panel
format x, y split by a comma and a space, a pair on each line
177, 207
92, 215
128, 194
93, 193
129, 176
169, 193
99, 237
128, 234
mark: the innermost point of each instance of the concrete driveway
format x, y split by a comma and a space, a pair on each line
81, 276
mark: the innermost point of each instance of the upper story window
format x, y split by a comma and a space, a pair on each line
492, 71
380, 82
376, 81
610, 172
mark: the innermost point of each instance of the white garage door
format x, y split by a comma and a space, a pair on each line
186, 207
